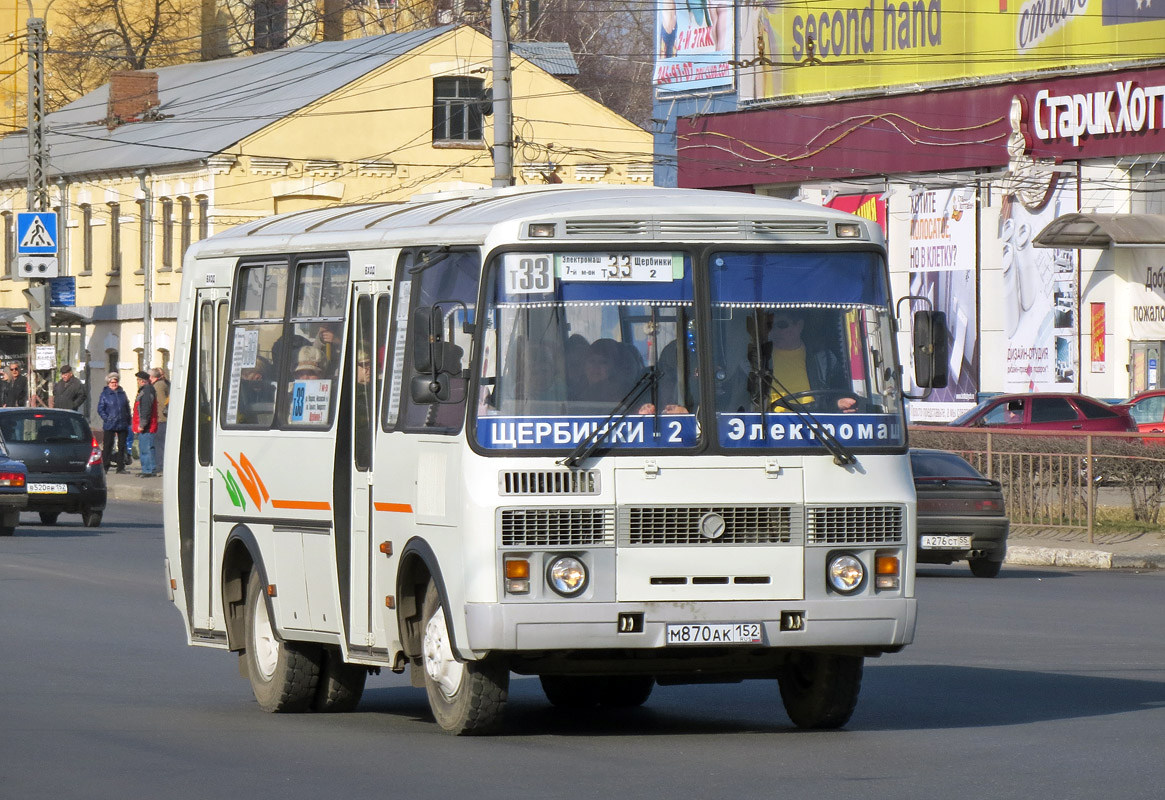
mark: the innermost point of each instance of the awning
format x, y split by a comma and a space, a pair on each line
12, 318
1103, 231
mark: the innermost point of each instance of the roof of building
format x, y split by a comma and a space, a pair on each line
207, 107
554, 57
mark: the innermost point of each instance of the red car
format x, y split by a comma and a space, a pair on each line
1148, 412
1047, 412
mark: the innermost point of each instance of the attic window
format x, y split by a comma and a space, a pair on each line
457, 111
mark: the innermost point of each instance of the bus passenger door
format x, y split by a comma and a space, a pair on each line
366, 618
211, 336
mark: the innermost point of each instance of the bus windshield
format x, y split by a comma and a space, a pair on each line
801, 340
798, 340
571, 336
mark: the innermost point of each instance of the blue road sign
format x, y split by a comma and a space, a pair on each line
36, 233
63, 291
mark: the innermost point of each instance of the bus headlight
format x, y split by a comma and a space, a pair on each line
845, 573
567, 576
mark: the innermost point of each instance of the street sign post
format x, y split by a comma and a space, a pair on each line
36, 244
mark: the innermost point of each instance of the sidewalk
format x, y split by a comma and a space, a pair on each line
1027, 546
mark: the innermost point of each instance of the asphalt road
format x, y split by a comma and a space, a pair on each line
1041, 683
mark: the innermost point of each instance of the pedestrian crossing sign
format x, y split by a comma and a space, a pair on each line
36, 233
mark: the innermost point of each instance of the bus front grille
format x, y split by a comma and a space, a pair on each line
548, 481
557, 527
855, 525
709, 525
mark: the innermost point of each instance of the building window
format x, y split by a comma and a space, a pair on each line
203, 217
270, 25
457, 109
114, 239
184, 227
167, 234
86, 239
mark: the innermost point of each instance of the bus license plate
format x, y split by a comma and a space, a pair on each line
48, 488
946, 542
715, 633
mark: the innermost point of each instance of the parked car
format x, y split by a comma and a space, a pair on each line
1147, 410
1047, 412
13, 494
961, 513
62, 458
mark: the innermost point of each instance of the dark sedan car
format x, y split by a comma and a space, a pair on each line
1046, 412
63, 461
13, 494
961, 513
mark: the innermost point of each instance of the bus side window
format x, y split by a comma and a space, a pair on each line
313, 341
249, 392
444, 299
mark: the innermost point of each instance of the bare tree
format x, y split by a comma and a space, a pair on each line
92, 38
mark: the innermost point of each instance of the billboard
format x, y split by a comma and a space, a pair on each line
837, 46
943, 247
1040, 298
694, 43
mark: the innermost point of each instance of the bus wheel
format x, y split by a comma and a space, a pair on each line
820, 690
466, 697
341, 685
284, 675
626, 691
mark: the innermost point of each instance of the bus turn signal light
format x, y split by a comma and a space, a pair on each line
517, 576
886, 572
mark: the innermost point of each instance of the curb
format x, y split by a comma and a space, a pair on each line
1081, 559
136, 494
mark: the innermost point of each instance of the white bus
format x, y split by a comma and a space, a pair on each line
606, 437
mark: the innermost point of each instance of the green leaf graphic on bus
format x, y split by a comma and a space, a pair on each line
233, 489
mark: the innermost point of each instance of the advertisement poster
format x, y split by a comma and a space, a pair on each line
942, 269
869, 206
1097, 314
1146, 293
694, 41
866, 44
1039, 297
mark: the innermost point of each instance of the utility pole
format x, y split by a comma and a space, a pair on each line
38, 189
503, 148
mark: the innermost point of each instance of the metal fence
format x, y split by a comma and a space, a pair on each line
1052, 479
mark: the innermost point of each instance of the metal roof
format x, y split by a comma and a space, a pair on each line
207, 107
554, 57
1103, 231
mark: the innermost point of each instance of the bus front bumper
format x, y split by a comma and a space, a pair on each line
875, 623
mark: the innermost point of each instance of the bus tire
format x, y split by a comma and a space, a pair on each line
341, 684
284, 675
626, 691
820, 690
466, 697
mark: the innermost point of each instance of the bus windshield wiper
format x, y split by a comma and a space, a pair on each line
588, 445
842, 456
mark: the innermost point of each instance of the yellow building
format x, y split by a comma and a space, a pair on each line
196, 148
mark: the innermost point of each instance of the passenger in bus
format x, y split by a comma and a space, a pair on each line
602, 372
328, 341
576, 357
797, 367
308, 366
667, 387
295, 342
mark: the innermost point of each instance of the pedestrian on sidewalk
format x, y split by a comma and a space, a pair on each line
145, 423
162, 388
17, 396
68, 392
113, 408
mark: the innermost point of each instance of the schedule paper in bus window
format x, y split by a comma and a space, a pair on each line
244, 356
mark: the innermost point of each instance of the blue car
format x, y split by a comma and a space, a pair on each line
13, 494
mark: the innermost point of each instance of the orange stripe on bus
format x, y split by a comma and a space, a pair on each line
302, 505
401, 507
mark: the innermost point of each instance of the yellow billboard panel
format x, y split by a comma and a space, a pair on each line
836, 46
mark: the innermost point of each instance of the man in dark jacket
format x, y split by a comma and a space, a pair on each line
68, 391
17, 387
113, 408
145, 423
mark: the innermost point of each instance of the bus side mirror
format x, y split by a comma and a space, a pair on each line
931, 354
432, 355
429, 389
